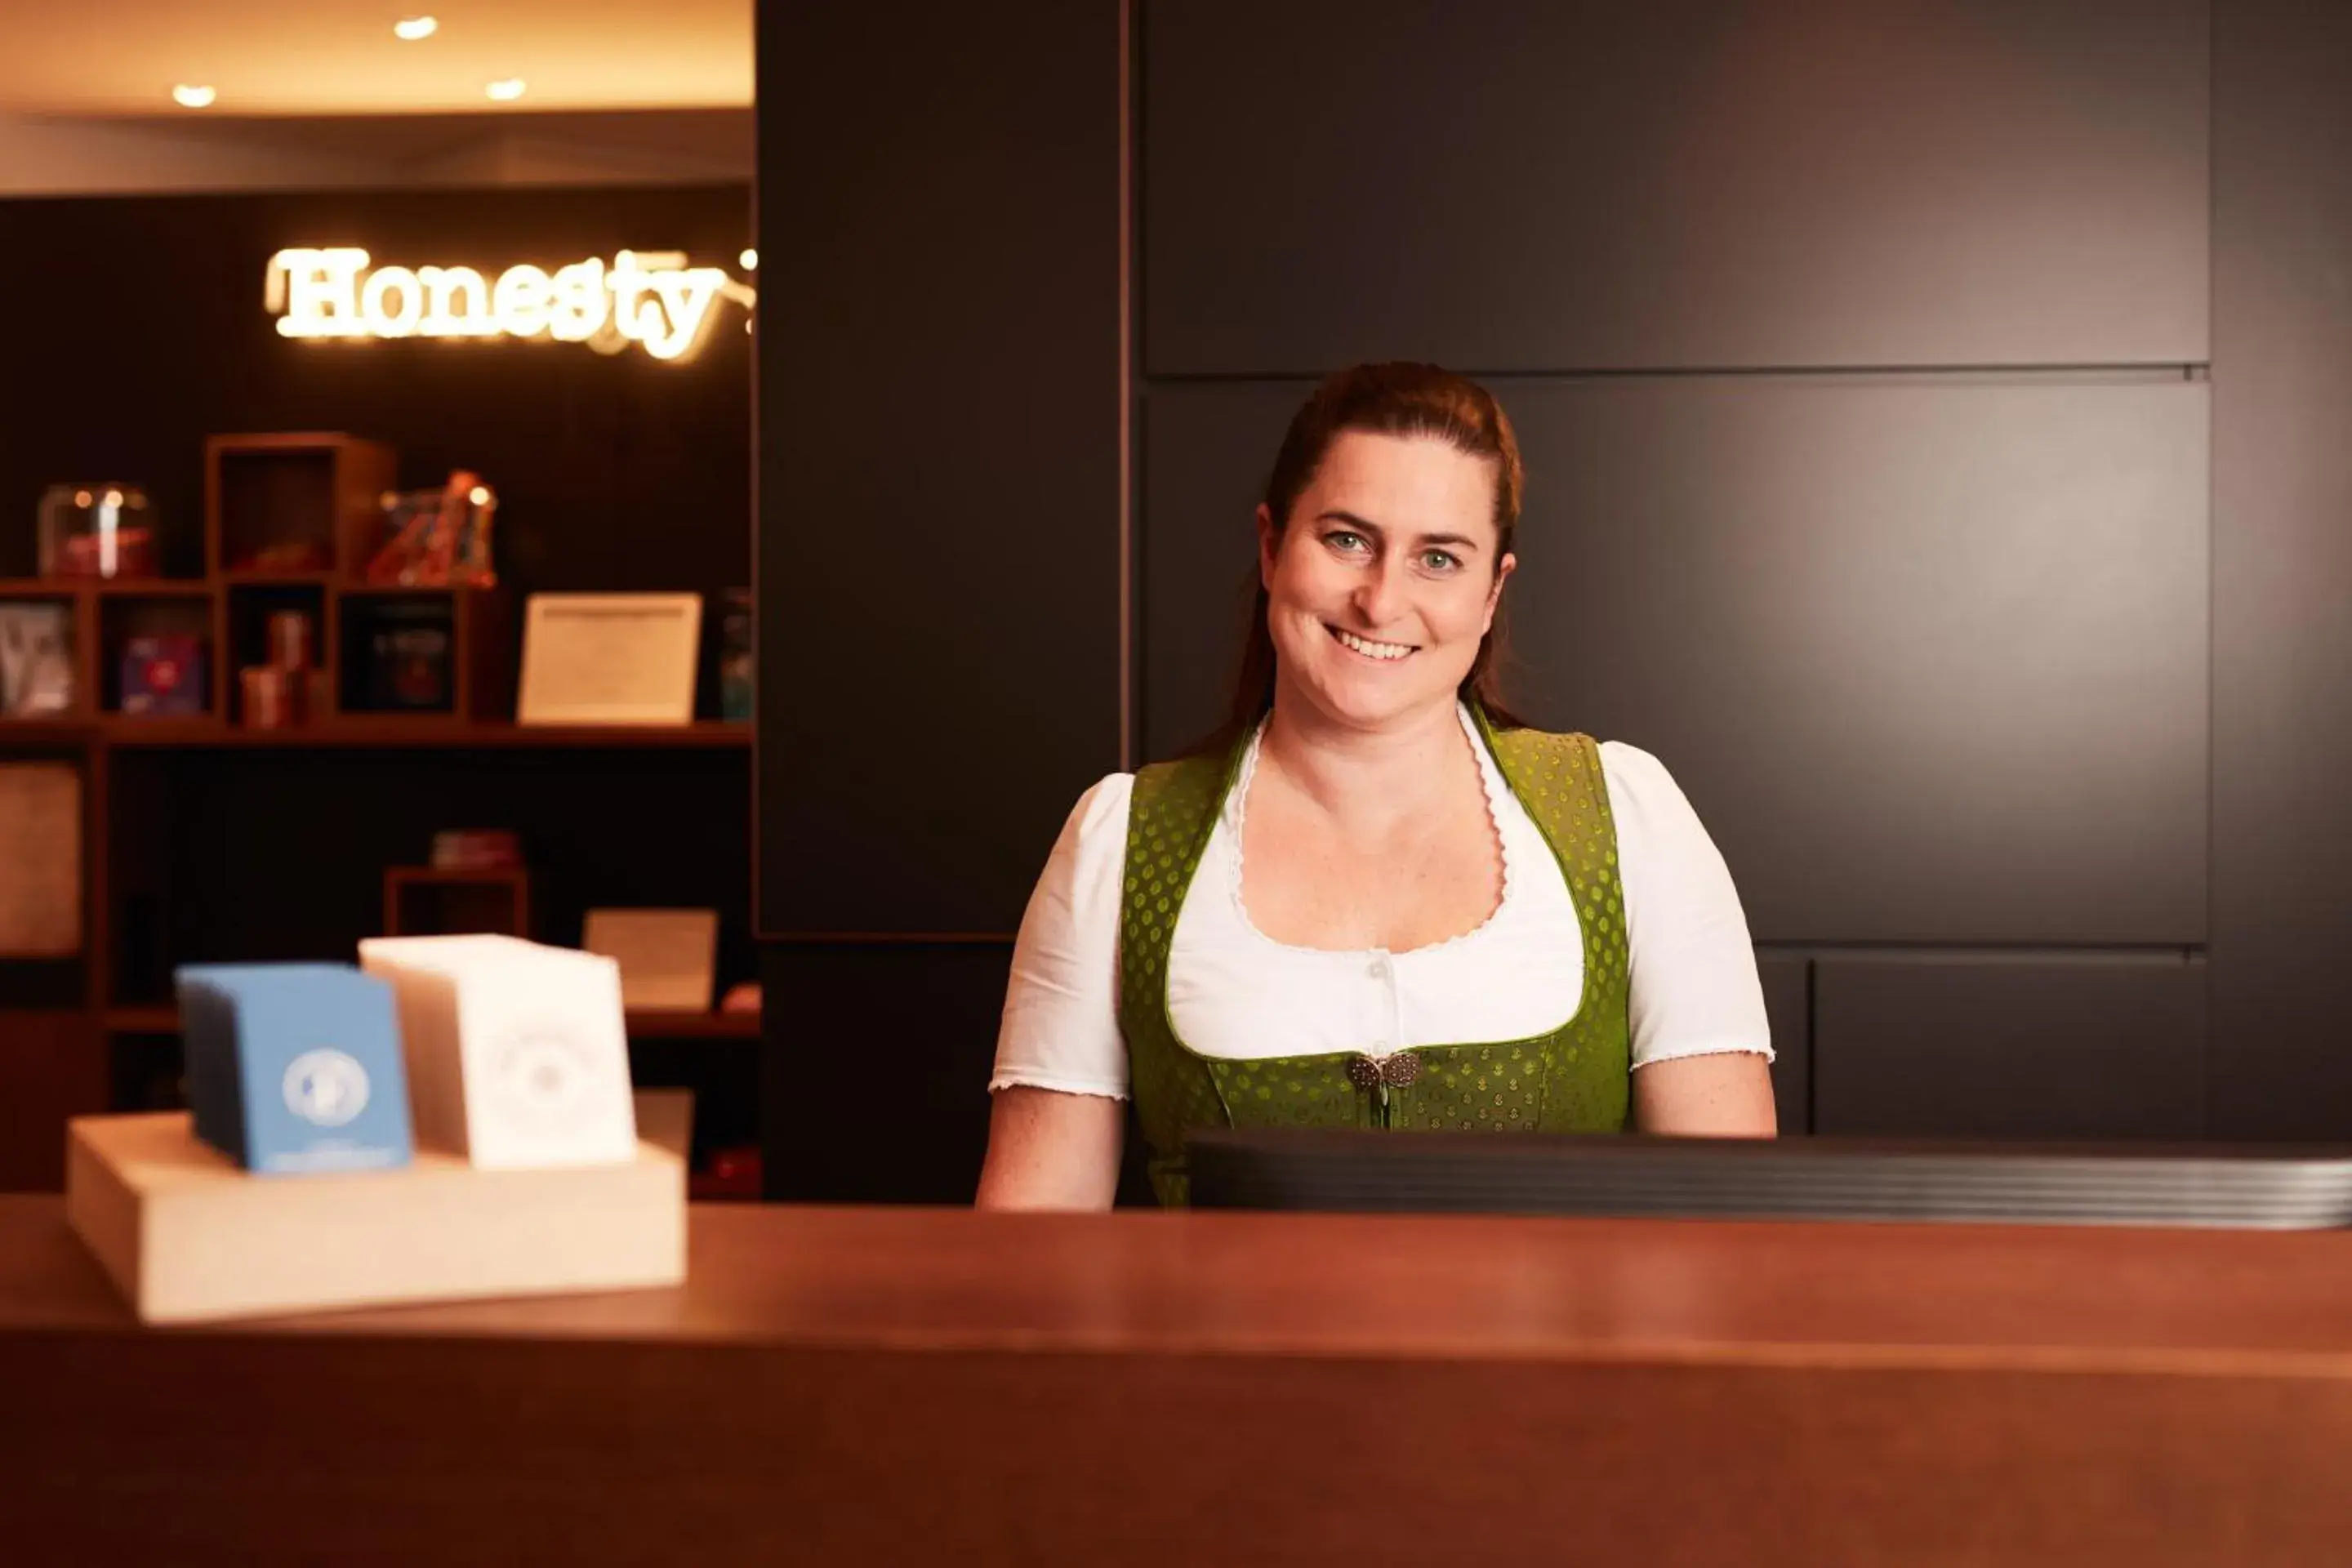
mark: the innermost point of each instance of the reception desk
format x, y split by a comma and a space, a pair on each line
927, 1387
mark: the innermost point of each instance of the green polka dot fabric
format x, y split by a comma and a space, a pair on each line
1574, 1079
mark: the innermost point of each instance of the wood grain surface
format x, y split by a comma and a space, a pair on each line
908, 1385
40, 861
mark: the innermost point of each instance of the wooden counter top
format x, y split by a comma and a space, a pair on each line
1772, 1294
894, 1385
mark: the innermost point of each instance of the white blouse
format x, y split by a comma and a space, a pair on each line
1235, 992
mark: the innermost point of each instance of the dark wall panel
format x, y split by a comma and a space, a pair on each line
1547, 185
2025, 1048
1204, 453
1788, 1007
939, 460
2281, 572
1928, 656
876, 1077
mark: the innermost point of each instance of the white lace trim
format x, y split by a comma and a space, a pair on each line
1490, 784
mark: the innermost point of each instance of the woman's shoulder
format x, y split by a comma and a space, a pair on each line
1525, 751
1103, 808
1640, 770
1639, 785
1181, 784
1185, 786
1615, 756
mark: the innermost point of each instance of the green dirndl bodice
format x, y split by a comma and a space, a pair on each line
1576, 1078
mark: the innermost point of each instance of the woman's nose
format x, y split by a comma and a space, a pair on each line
1381, 595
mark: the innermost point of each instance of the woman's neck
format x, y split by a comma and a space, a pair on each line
1367, 777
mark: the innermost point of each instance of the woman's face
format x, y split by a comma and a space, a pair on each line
1385, 579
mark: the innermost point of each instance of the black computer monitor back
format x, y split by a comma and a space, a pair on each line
2245, 1186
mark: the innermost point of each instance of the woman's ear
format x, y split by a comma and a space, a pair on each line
1269, 540
1503, 570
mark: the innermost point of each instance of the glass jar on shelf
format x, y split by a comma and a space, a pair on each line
106, 529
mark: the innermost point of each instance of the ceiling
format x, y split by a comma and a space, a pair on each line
123, 58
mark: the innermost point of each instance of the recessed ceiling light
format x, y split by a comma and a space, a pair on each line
505, 89
189, 97
415, 27
751, 260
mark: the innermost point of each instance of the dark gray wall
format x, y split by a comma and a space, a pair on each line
1570, 184
938, 455
939, 495
2010, 1045
2282, 924
1887, 478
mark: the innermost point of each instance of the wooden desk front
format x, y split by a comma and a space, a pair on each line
927, 1387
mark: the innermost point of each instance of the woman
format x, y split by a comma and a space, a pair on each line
1374, 861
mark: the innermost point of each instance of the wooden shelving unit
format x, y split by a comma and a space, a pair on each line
118, 733
341, 478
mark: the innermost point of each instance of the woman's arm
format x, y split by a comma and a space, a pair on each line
1047, 1149
1701, 1065
1054, 1133
1725, 1094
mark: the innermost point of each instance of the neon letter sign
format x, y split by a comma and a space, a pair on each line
651, 298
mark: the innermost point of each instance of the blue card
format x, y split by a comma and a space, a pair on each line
295, 1069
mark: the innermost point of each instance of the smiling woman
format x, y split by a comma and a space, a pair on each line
1373, 861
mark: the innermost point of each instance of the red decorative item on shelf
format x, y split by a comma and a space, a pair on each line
438, 539
733, 1172
476, 849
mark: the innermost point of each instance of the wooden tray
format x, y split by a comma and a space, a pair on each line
187, 1236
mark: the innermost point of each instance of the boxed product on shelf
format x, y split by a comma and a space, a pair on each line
163, 674
36, 665
409, 660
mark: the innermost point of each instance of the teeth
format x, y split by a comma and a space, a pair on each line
1372, 649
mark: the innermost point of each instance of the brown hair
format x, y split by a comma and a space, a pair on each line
1395, 399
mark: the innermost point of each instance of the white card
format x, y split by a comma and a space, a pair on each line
518, 1055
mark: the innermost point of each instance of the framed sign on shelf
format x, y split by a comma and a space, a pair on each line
667, 957
609, 658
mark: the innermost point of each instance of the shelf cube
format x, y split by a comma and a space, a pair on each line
518, 1052
295, 1069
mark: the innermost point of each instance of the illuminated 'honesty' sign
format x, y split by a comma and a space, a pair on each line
652, 300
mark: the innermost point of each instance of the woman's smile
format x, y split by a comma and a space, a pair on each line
1366, 647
